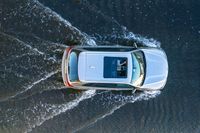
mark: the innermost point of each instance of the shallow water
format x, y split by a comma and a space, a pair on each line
33, 35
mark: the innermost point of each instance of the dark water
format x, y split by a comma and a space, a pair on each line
33, 35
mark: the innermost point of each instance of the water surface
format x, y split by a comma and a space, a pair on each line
33, 35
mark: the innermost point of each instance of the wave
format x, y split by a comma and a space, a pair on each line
20, 42
30, 16
123, 100
142, 40
54, 110
46, 112
119, 33
26, 88
37, 82
127, 38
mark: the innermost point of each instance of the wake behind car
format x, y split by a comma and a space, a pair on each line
114, 68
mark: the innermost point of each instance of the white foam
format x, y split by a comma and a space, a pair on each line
147, 42
150, 42
35, 83
91, 42
30, 47
40, 80
86, 39
126, 99
25, 44
16, 57
52, 13
54, 110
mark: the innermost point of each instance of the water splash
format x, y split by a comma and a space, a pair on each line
123, 100
91, 42
47, 10
38, 81
143, 40
33, 49
26, 88
54, 110
119, 32
127, 38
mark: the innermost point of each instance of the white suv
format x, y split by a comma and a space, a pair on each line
114, 68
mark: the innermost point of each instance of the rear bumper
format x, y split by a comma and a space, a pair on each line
64, 67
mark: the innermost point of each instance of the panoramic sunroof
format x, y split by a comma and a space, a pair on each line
115, 67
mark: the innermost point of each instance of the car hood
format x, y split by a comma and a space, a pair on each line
156, 69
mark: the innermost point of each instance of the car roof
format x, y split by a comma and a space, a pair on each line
91, 67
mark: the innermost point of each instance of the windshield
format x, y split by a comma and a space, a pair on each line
138, 68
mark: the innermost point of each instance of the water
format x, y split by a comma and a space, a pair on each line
33, 35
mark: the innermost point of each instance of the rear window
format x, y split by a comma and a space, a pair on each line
73, 67
115, 67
